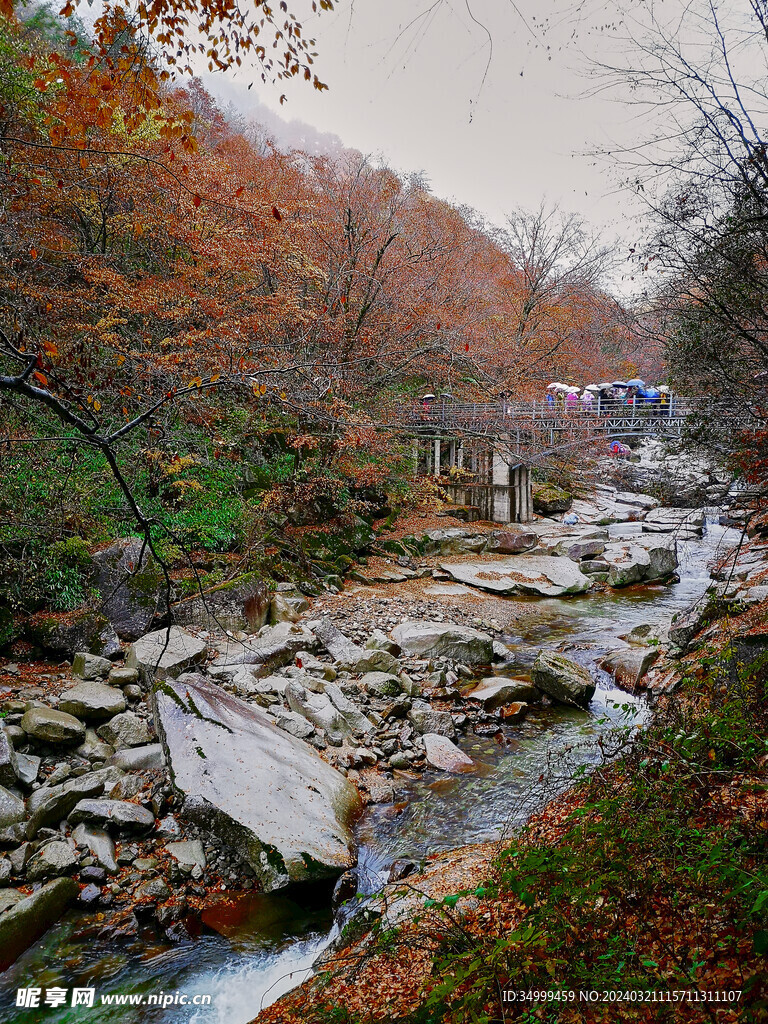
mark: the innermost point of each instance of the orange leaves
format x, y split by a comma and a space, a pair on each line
40, 378
50, 348
196, 200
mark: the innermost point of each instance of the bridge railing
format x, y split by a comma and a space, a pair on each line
468, 414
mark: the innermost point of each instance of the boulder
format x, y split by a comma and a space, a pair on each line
90, 666
273, 648
645, 502
495, 691
31, 917
261, 790
454, 541
668, 520
190, 856
425, 720
66, 633
688, 623
548, 499
421, 639
294, 723
9, 766
379, 641
327, 709
577, 548
94, 749
27, 768
92, 700
281, 610
545, 575
52, 861
166, 653
642, 558
239, 605
349, 656
381, 684
51, 726
125, 730
11, 808
156, 890
99, 844
120, 814
562, 679
441, 753
131, 586
511, 541
50, 804
628, 665
138, 759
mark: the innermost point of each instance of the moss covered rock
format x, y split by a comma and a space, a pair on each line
549, 499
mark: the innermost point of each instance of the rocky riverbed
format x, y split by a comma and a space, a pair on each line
275, 738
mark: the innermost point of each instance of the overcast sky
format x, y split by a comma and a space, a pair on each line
423, 94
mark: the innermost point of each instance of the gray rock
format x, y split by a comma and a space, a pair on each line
328, 710
99, 843
422, 639
382, 684
454, 541
31, 917
52, 861
511, 541
190, 855
123, 677
671, 519
92, 700
131, 586
294, 723
577, 548
165, 654
11, 808
5, 870
379, 641
590, 566
281, 611
642, 558
272, 649
90, 666
52, 726
562, 679
49, 805
496, 691
525, 574
9, 898
262, 791
441, 753
94, 749
64, 634
28, 767
628, 665
120, 814
425, 720
137, 759
641, 501
125, 730
15, 735
156, 890
9, 768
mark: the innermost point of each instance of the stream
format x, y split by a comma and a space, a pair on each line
266, 944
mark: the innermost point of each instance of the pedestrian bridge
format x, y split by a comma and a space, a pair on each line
494, 444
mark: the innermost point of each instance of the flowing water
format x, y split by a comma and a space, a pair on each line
266, 944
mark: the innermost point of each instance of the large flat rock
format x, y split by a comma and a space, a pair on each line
422, 639
545, 575
165, 653
260, 789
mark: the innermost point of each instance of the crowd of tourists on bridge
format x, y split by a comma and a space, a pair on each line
610, 396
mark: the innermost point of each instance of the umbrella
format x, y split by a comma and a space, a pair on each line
663, 389
554, 386
619, 384
594, 387
573, 390
635, 383
428, 397
604, 386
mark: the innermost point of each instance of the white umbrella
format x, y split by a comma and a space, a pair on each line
573, 390
554, 386
663, 389
619, 384
594, 387
428, 397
